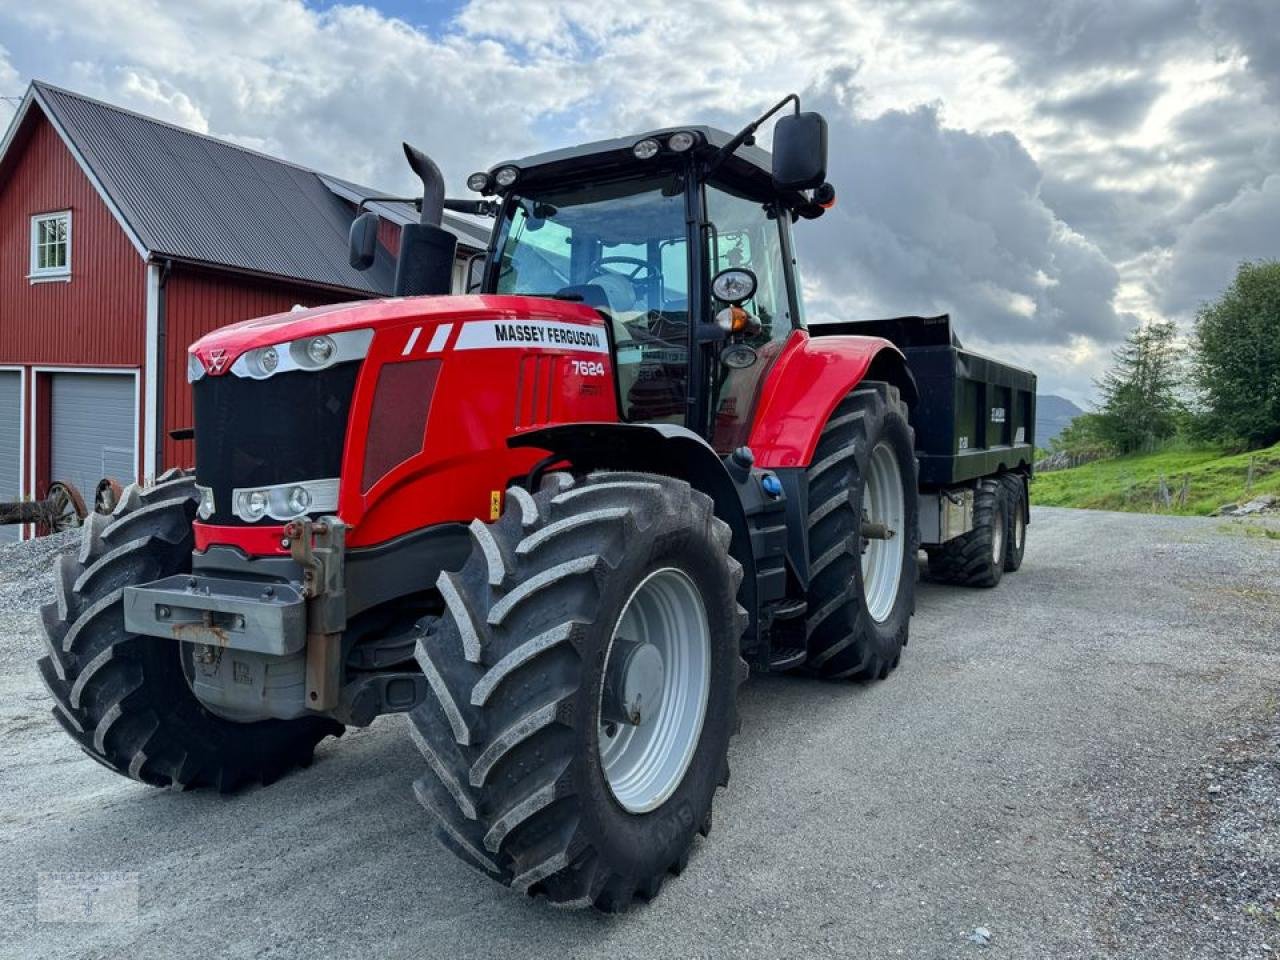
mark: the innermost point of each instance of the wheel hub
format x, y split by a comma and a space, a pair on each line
633, 686
883, 517
653, 698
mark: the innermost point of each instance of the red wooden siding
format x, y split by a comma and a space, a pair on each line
389, 236
97, 319
198, 301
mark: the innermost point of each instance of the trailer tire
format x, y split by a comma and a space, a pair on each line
845, 641
517, 777
125, 698
1016, 528
977, 558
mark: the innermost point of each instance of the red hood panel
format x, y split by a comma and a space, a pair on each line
220, 349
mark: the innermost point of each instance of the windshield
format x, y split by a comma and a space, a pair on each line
621, 247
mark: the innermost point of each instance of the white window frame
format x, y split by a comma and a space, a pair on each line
43, 274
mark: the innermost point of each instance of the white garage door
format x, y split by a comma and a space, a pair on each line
94, 421
10, 444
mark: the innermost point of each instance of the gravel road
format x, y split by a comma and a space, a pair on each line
1085, 762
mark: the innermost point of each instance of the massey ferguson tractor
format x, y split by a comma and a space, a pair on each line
555, 521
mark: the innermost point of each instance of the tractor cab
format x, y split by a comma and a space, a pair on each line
681, 239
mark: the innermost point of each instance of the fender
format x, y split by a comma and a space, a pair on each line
808, 381
667, 449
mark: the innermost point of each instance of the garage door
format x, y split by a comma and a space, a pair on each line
10, 444
93, 421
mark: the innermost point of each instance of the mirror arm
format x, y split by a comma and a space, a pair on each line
742, 136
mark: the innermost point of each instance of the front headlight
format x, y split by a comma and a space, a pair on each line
285, 501
195, 368
308, 353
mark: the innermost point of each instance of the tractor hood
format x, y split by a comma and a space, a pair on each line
217, 352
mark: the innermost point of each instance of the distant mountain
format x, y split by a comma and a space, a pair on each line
1053, 413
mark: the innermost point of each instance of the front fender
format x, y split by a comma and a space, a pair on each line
666, 449
805, 385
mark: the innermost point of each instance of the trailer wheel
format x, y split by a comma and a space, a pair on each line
977, 558
862, 486
124, 698
1016, 530
584, 680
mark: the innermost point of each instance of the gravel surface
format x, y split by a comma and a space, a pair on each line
1084, 762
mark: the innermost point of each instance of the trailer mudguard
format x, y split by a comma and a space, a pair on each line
805, 384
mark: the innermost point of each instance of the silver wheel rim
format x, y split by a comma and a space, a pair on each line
997, 538
1019, 528
644, 763
882, 503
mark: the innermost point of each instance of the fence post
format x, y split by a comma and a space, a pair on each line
1248, 480
1185, 491
1165, 498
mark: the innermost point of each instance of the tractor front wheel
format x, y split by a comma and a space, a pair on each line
584, 679
124, 698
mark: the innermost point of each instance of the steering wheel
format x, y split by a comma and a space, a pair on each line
637, 264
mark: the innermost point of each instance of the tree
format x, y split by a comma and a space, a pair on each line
1236, 365
1082, 439
1140, 406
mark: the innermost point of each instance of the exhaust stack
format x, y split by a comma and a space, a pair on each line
427, 250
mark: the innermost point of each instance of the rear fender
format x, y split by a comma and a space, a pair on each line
805, 385
666, 449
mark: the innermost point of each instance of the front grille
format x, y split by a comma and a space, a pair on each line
258, 433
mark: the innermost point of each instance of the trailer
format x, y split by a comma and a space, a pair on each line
975, 445
556, 522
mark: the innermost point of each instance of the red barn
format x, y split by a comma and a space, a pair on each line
122, 240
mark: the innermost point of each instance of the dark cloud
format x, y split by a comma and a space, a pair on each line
1047, 40
1253, 26
1111, 107
933, 219
1206, 254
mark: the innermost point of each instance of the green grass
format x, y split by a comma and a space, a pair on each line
1132, 483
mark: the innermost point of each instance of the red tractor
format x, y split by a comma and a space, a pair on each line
553, 522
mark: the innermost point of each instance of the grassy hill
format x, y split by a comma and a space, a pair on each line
1132, 483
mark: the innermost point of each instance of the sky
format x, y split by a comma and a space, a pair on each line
1051, 174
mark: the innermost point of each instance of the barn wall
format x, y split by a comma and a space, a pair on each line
197, 302
96, 319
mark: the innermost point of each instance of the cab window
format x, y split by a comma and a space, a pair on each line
746, 233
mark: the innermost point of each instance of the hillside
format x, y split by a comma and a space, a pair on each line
1053, 413
1132, 483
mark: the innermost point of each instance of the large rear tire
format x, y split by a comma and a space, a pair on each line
524, 777
861, 589
124, 698
977, 558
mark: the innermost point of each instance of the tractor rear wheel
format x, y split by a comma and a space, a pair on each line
977, 558
862, 537
584, 679
125, 698
1016, 524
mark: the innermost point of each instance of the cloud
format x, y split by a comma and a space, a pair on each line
1044, 172
1203, 261
1112, 106
931, 219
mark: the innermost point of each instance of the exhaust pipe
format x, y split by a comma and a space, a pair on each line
427, 250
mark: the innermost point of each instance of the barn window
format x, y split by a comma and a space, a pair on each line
51, 246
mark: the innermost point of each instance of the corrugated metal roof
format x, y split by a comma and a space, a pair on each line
195, 198
471, 231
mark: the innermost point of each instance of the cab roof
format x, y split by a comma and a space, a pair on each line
604, 157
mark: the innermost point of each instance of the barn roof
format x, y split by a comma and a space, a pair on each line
191, 197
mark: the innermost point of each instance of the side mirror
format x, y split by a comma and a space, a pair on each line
800, 151
474, 272
363, 240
